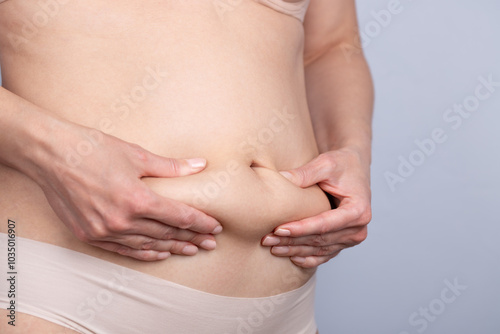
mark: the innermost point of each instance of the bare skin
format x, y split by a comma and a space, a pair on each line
182, 81
340, 97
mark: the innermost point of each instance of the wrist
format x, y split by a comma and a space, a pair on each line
29, 136
38, 144
361, 150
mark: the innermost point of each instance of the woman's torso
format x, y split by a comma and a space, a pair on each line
182, 79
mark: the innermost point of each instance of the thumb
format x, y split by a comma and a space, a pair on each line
308, 174
168, 167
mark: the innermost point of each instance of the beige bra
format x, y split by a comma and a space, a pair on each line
295, 8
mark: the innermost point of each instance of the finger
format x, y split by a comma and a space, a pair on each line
141, 242
304, 251
159, 231
350, 213
178, 214
311, 261
158, 166
143, 255
326, 222
315, 171
345, 236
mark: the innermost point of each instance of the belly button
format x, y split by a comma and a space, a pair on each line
262, 164
255, 164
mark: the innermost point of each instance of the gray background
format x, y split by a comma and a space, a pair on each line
442, 222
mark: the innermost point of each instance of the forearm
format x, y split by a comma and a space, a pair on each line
340, 98
25, 132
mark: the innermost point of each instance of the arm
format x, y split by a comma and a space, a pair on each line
124, 217
340, 98
338, 82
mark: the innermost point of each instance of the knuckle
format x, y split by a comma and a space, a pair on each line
174, 166
96, 232
148, 245
366, 215
301, 174
361, 236
137, 201
326, 161
81, 235
114, 225
358, 211
168, 233
123, 250
324, 226
318, 240
322, 251
361, 214
195, 239
311, 262
139, 152
187, 219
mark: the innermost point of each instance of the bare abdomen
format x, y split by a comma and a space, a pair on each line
182, 84
249, 202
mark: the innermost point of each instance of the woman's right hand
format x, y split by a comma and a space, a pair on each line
93, 183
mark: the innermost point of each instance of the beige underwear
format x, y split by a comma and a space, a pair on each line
90, 295
295, 8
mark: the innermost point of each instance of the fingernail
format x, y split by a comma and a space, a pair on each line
287, 175
196, 163
281, 250
163, 255
298, 259
208, 244
282, 232
217, 230
270, 241
190, 250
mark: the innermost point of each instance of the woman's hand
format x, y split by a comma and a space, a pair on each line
93, 183
315, 240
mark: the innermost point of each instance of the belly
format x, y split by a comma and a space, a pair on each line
248, 201
180, 81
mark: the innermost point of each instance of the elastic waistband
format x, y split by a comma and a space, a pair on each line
90, 295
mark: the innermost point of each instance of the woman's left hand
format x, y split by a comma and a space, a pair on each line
313, 241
